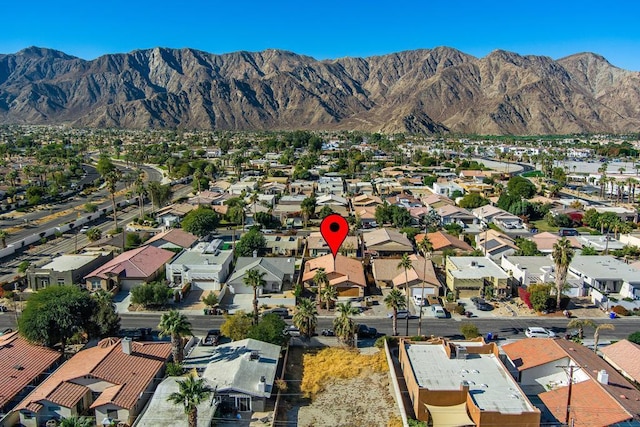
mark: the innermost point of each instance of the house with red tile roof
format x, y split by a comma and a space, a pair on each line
441, 241
600, 395
174, 238
129, 269
345, 274
112, 380
420, 274
22, 365
625, 357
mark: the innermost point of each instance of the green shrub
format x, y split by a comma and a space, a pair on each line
459, 309
634, 337
392, 341
469, 330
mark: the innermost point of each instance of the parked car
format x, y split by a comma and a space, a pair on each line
538, 332
419, 301
84, 229
280, 311
438, 311
328, 333
482, 305
212, 337
402, 314
364, 331
292, 331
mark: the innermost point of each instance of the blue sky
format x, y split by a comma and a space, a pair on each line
328, 29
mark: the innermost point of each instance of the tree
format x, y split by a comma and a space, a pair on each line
254, 279
521, 187
596, 334
159, 194
77, 422
237, 325
343, 325
3, 236
328, 294
405, 263
191, 392
105, 165
152, 294
94, 234
175, 325
253, 240
306, 317
526, 247
426, 247
269, 329
469, 330
211, 300
580, 324
112, 178
588, 250
200, 221
105, 318
634, 337
540, 296
472, 201
395, 301
54, 314
325, 211
308, 208
562, 254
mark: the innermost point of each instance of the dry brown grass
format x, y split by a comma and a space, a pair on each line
331, 364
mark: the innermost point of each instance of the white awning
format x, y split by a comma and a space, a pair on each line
450, 416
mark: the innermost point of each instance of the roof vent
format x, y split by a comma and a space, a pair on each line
127, 345
255, 355
603, 377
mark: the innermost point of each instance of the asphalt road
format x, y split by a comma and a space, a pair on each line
505, 328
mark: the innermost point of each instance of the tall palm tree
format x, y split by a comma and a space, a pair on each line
426, 247
395, 301
141, 191
197, 175
176, 325
254, 278
306, 317
320, 279
111, 178
405, 263
562, 254
596, 334
580, 324
328, 294
343, 325
77, 422
191, 392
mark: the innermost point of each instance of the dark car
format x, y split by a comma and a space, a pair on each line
364, 331
482, 305
212, 338
328, 333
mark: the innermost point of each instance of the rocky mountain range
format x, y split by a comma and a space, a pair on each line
419, 91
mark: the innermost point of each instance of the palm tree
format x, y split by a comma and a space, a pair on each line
596, 334
3, 236
306, 317
405, 263
343, 325
562, 255
191, 392
426, 247
77, 422
580, 324
141, 191
254, 278
197, 175
328, 294
176, 325
395, 301
111, 178
320, 279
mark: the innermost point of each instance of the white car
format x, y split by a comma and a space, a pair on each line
419, 301
537, 332
84, 229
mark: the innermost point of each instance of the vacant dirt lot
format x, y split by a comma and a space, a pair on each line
364, 400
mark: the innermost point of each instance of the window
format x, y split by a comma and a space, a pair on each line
60, 281
95, 284
112, 413
243, 404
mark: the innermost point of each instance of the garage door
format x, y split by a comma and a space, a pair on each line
348, 292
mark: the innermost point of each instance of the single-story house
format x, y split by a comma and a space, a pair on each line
344, 273
277, 271
66, 269
473, 276
387, 242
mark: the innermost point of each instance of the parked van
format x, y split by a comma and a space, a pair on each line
568, 232
438, 311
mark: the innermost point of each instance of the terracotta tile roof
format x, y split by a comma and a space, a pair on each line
591, 406
137, 263
366, 212
625, 356
416, 274
437, 198
107, 362
365, 199
316, 241
441, 240
176, 236
386, 236
528, 353
107, 396
67, 394
21, 363
347, 267
546, 240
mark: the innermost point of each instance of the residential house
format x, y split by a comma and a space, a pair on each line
282, 245
446, 188
600, 396
243, 374
277, 271
460, 383
404, 200
344, 273
387, 242
476, 176
418, 215
66, 269
484, 190
386, 185
107, 244
625, 214
331, 185
606, 276
273, 188
529, 270
131, 268
367, 216
219, 186
421, 277
24, 366
475, 276
113, 379
338, 204
242, 187
436, 201
600, 243
545, 241
209, 198
206, 266
441, 240
306, 188
170, 216
355, 186
365, 200
624, 356
492, 214
495, 244
173, 239
317, 246
160, 412
452, 214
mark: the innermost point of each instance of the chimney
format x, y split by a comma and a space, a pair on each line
262, 385
603, 377
127, 345
464, 386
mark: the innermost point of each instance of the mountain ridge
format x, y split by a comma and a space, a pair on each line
419, 91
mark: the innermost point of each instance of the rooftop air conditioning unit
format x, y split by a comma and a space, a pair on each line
461, 353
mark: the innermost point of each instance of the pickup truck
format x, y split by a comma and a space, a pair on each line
364, 331
212, 338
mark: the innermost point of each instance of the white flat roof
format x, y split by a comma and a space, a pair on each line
483, 267
71, 262
490, 385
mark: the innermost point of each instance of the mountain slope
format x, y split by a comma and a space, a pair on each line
420, 91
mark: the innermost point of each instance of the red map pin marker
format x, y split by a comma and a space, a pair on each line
334, 229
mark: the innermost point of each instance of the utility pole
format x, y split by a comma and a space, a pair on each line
569, 370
